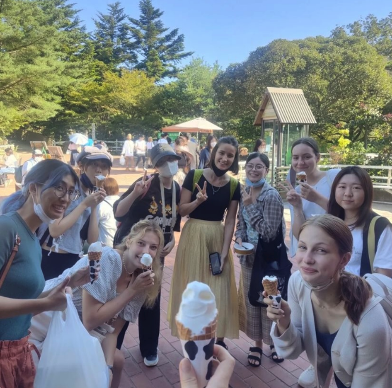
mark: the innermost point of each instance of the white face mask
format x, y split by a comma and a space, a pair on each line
213, 144
168, 169
39, 212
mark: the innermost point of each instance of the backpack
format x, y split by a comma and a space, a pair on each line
233, 182
18, 174
382, 290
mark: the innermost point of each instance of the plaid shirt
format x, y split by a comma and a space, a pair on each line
265, 215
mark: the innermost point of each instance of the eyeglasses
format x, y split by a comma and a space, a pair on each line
61, 192
257, 167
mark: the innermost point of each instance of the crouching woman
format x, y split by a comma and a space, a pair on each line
331, 314
121, 290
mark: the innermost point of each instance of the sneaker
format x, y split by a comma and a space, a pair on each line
151, 360
307, 378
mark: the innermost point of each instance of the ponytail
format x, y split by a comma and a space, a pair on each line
14, 202
355, 292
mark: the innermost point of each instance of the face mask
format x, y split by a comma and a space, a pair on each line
218, 172
322, 287
255, 184
213, 144
168, 169
39, 212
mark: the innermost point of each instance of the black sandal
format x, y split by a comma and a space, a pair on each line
274, 355
255, 358
221, 343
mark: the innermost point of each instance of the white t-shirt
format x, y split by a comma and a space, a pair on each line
27, 166
162, 141
140, 147
383, 257
311, 209
128, 148
106, 222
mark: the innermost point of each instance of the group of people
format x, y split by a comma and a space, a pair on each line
327, 307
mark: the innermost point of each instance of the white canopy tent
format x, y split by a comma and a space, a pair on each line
198, 125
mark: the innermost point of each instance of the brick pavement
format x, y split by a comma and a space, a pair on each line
165, 374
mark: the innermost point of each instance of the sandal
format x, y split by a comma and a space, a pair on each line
274, 355
221, 343
255, 358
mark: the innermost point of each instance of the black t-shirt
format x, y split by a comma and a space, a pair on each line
148, 207
218, 198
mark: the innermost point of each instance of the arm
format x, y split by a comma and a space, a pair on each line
186, 206
382, 260
93, 231
125, 204
229, 229
60, 226
372, 367
240, 231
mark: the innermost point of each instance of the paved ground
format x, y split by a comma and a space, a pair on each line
165, 374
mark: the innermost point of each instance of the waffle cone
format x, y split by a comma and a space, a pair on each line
208, 332
271, 288
94, 256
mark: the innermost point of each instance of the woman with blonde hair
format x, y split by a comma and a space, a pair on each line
331, 314
123, 286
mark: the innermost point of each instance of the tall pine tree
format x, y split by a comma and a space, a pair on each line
111, 38
159, 50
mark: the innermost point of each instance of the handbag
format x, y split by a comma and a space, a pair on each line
270, 260
6, 267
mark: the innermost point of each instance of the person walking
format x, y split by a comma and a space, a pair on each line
141, 148
128, 152
206, 151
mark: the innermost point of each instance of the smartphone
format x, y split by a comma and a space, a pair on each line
215, 262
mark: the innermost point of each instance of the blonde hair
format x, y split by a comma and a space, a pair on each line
137, 231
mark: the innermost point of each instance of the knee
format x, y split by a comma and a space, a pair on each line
118, 361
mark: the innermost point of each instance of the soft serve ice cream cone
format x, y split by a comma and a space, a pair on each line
99, 181
196, 323
301, 176
146, 262
94, 255
270, 284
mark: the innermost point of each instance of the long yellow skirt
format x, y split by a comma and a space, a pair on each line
198, 239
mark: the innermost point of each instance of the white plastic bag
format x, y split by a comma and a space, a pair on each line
71, 357
122, 160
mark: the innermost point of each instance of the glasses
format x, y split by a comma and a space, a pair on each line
257, 167
61, 192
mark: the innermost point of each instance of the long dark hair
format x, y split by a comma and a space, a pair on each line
210, 138
49, 173
259, 142
233, 142
354, 291
365, 209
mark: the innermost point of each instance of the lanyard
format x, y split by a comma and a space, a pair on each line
174, 209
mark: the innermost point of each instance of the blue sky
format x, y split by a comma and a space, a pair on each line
228, 30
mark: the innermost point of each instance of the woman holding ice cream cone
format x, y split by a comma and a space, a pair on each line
121, 289
260, 214
206, 196
62, 240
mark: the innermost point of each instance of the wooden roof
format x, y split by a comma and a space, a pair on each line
290, 106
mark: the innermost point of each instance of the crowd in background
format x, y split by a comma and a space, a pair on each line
327, 308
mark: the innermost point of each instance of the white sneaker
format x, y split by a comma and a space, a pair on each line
307, 378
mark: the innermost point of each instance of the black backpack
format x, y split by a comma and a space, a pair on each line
18, 174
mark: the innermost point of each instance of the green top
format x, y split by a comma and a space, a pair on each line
24, 279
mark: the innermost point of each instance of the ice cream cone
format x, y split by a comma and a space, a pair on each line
99, 181
270, 287
96, 256
301, 176
186, 334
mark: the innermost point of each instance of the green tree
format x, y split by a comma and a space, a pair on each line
111, 38
159, 51
32, 61
191, 95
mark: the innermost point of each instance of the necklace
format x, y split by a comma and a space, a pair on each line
214, 189
324, 307
123, 261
